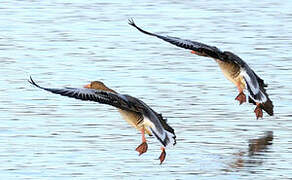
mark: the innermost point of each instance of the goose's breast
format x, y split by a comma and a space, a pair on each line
231, 71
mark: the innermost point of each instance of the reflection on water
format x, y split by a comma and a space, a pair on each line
260, 144
257, 149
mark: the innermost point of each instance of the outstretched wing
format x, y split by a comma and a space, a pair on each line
124, 102
209, 51
199, 48
103, 97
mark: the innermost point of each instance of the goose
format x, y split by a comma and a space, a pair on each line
233, 67
134, 111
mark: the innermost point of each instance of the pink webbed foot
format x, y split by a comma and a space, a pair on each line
258, 111
162, 155
142, 148
241, 98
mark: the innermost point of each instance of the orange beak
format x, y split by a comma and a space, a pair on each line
193, 52
87, 86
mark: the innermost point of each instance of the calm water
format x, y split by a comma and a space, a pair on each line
69, 43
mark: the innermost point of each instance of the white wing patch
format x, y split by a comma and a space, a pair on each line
171, 138
250, 80
165, 138
253, 86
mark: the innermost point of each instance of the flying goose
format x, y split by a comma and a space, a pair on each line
134, 111
233, 68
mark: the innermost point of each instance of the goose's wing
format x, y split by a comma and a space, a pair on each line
162, 131
211, 51
199, 48
167, 127
250, 78
85, 94
163, 121
124, 102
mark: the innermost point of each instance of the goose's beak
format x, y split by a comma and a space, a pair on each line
87, 86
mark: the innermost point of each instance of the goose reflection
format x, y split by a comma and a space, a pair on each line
260, 144
257, 149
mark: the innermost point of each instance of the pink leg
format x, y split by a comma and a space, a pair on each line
142, 148
162, 155
241, 96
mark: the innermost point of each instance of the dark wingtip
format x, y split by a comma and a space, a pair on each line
31, 81
174, 138
268, 106
131, 22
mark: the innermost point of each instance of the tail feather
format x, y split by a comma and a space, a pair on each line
166, 139
268, 104
268, 107
258, 97
159, 128
169, 130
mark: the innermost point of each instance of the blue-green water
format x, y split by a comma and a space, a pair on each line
70, 43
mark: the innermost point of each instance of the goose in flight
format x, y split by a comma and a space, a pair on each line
233, 68
134, 111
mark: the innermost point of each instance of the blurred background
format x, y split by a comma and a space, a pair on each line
70, 43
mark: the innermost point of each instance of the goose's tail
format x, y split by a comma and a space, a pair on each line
167, 139
266, 105
160, 129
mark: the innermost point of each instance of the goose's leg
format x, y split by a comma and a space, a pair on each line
162, 155
142, 148
241, 96
258, 111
